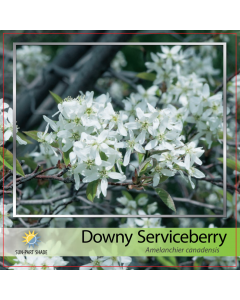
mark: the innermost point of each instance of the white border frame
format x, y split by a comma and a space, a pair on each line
224, 45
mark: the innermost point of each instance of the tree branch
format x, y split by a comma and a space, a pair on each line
228, 79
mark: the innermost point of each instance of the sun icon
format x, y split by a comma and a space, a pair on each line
31, 239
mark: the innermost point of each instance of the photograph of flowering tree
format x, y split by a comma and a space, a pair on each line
133, 131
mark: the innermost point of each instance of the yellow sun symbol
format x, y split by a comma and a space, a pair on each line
31, 239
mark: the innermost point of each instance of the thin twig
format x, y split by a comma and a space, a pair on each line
122, 78
228, 79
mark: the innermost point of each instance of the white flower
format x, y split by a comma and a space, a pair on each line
8, 127
3, 104
114, 118
4, 212
94, 264
146, 122
142, 199
157, 63
102, 172
47, 139
220, 261
29, 60
193, 172
131, 104
148, 222
166, 74
38, 262
119, 61
160, 170
192, 153
116, 262
130, 223
169, 53
130, 206
131, 145
98, 144
44, 155
149, 95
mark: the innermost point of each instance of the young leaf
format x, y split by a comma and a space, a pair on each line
57, 98
231, 163
139, 196
197, 263
166, 261
54, 144
8, 161
140, 157
166, 198
229, 196
10, 259
103, 156
32, 134
163, 178
220, 135
29, 162
147, 165
146, 76
127, 195
92, 190
66, 158
23, 137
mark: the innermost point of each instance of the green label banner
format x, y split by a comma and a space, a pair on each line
120, 241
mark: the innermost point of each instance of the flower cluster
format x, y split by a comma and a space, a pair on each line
179, 74
38, 262
107, 263
119, 61
4, 209
234, 87
92, 132
6, 124
138, 206
29, 60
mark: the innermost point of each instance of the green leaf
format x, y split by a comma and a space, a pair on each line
55, 145
32, 134
197, 263
229, 196
163, 178
231, 163
57, 98
10, 259
140, 157
92, 190
158, 93
166, 261
173, 260
8, 161
103, 156
220, 135
146, 76
139, 196
127, 195
66, 158
166, 198
145, 168
147, 165
23, 137
29, 162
